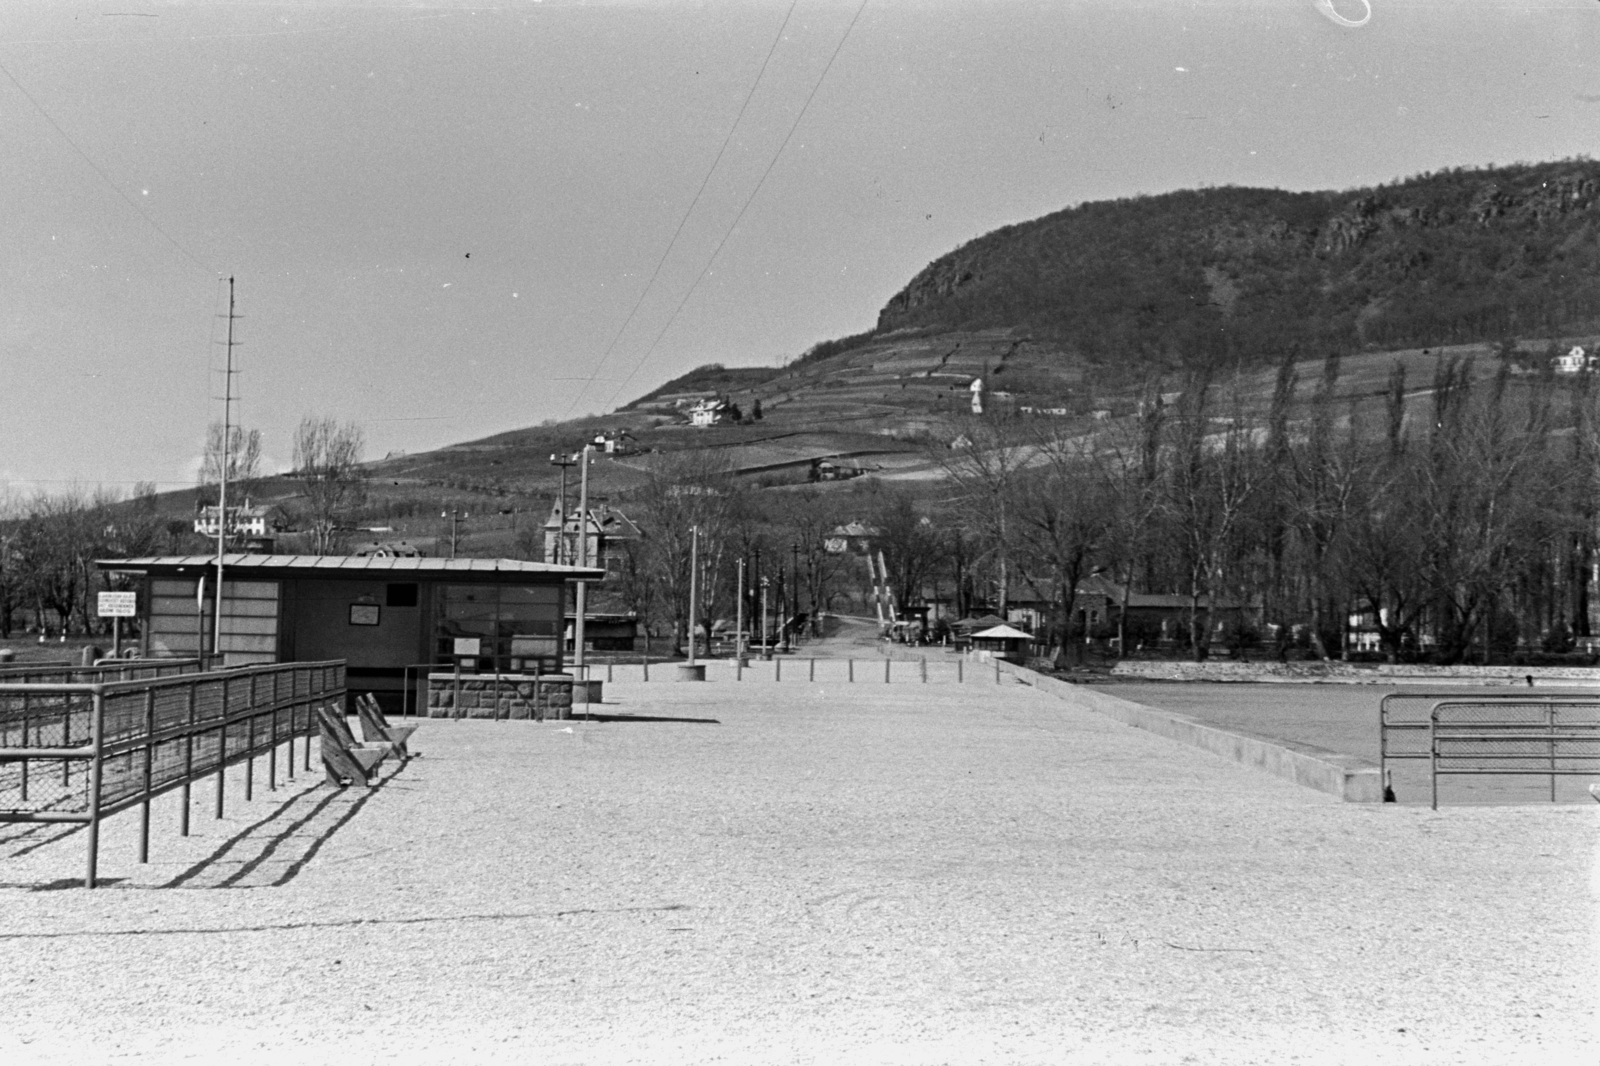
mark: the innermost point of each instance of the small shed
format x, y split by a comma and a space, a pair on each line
391, 618
1003, 642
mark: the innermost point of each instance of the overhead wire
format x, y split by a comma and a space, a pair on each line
748, 201
673, 243
141, 212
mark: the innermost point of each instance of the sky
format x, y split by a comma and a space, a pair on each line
446, 220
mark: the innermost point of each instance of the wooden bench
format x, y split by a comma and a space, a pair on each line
345, 761
376, 728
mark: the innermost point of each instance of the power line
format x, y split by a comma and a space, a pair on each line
103, 175
774, 162
673, 243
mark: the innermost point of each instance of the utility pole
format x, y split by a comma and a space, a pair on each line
694, 585
455, 516
794, 609
764, 653
780, 620
222, 479
583, 560
757, 579
738, 623
563, 461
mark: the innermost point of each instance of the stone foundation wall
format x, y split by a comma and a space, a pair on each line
521, 696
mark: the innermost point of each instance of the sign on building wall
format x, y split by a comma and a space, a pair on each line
467, 646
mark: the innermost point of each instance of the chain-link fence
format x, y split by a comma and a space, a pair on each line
78, 752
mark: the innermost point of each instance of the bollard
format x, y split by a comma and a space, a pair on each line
959, 678
812, 674
852, 663
608, 673
777, 669
924, 669
997, 670
886, 663
647, 669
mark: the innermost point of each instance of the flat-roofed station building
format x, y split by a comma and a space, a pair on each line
390, 619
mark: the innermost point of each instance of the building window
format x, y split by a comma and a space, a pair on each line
400, 595
519, 627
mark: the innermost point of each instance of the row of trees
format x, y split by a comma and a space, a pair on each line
1459, 516
1456, 516
48, 545
49, 541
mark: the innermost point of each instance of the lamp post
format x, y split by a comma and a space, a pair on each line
757, 578
738, 621
780, 620
764, 653
563, 461
794, 611
694, 585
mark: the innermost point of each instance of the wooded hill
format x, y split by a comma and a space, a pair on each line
1241, 275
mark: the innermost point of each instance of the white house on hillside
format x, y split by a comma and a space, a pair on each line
710, 412
1575, 361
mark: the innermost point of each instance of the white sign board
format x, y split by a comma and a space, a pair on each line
466, 646
118, 605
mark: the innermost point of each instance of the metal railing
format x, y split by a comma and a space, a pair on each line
79, 752
101, 672
1551, 737
1405, 718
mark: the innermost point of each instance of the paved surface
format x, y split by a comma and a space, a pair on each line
1344, 718
810, 874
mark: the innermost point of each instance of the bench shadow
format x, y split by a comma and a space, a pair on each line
650, 718
249, 836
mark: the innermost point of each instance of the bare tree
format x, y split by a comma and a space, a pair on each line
1213, 479
911, 544
243, 468
327, 462
983, 463
686, 492
1064, 517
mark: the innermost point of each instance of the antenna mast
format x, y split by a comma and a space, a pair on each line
222, 479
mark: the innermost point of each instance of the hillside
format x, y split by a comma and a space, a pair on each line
1065, 318
1241, 275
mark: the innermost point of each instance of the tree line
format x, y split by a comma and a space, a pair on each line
49, 541
1454, 517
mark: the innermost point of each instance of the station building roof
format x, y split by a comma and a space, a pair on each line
498, 571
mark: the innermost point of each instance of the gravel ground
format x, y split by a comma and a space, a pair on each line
809, 874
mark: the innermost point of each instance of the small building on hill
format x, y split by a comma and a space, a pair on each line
710, 412
850, 538
615, 442
1576, 361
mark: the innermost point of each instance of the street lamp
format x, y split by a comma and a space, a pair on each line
765, 654
794, 611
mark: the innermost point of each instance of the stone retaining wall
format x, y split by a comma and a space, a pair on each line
1352, 779
504, 696
1352, 673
